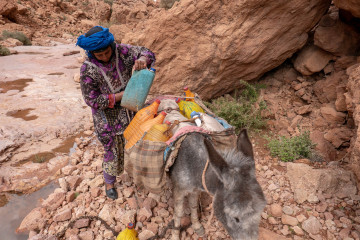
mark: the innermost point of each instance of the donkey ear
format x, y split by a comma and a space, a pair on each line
244, 145
215, 159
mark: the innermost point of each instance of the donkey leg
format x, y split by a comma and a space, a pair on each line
178, 213
194, 202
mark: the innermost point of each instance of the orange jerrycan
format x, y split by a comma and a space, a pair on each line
159, 133
188, 93
186, 107
140, 117
128, 233
144, 128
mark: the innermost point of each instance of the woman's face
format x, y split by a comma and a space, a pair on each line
104, 55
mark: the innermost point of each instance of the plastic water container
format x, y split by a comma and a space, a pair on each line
137, 89
139, 132
196, 116
159, 132
188, 93
186, 107
128, 233
140, 117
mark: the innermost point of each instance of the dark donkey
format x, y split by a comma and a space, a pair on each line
238, 199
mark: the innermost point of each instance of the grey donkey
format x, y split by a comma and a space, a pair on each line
238, 199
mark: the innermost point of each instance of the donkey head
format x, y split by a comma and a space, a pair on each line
238, 200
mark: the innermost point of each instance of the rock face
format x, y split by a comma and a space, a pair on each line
353, 100
39, 120
130, 12
239, 41
350, 5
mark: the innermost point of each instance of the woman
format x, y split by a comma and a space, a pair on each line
104, 76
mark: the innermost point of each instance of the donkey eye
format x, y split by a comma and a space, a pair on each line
237, 220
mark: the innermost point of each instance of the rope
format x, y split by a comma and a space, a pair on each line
203, 181
71, 224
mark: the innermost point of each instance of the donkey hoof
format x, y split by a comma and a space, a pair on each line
200, 231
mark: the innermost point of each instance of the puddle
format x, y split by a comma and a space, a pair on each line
56, 73
23, 114
19, 84
67, 147
16, 210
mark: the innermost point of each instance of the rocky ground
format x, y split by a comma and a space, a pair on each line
305, 201
315, 89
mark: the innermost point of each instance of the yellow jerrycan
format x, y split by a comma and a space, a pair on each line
141, 116
159, 133
186, 107
144, 127
188, 93
129, 233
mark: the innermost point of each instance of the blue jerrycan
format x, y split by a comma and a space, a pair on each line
137, 89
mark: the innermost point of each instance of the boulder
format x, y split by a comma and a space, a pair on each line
339, 136
306, 181
102, 10
350, 5
54, 200
311, 59
336, 37
340, 103
332, 116
312, 225
326, 149
7, 8
325, 89
32, 221
130, 12
239, 40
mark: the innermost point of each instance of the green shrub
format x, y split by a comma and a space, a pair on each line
4, 51
110, 2
39, 159
17, 35
241, 111
290, 149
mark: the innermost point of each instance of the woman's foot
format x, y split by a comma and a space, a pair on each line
111, 191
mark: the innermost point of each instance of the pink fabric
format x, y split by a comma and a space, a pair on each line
184, 130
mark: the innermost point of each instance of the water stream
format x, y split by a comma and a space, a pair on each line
14, 207
17, 208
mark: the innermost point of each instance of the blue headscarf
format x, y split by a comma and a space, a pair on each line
95, 41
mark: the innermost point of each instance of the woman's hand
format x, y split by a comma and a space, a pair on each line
140, 63
118, 96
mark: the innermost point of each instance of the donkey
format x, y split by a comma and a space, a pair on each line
238, 199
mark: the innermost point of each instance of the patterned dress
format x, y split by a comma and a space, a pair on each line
98, 81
